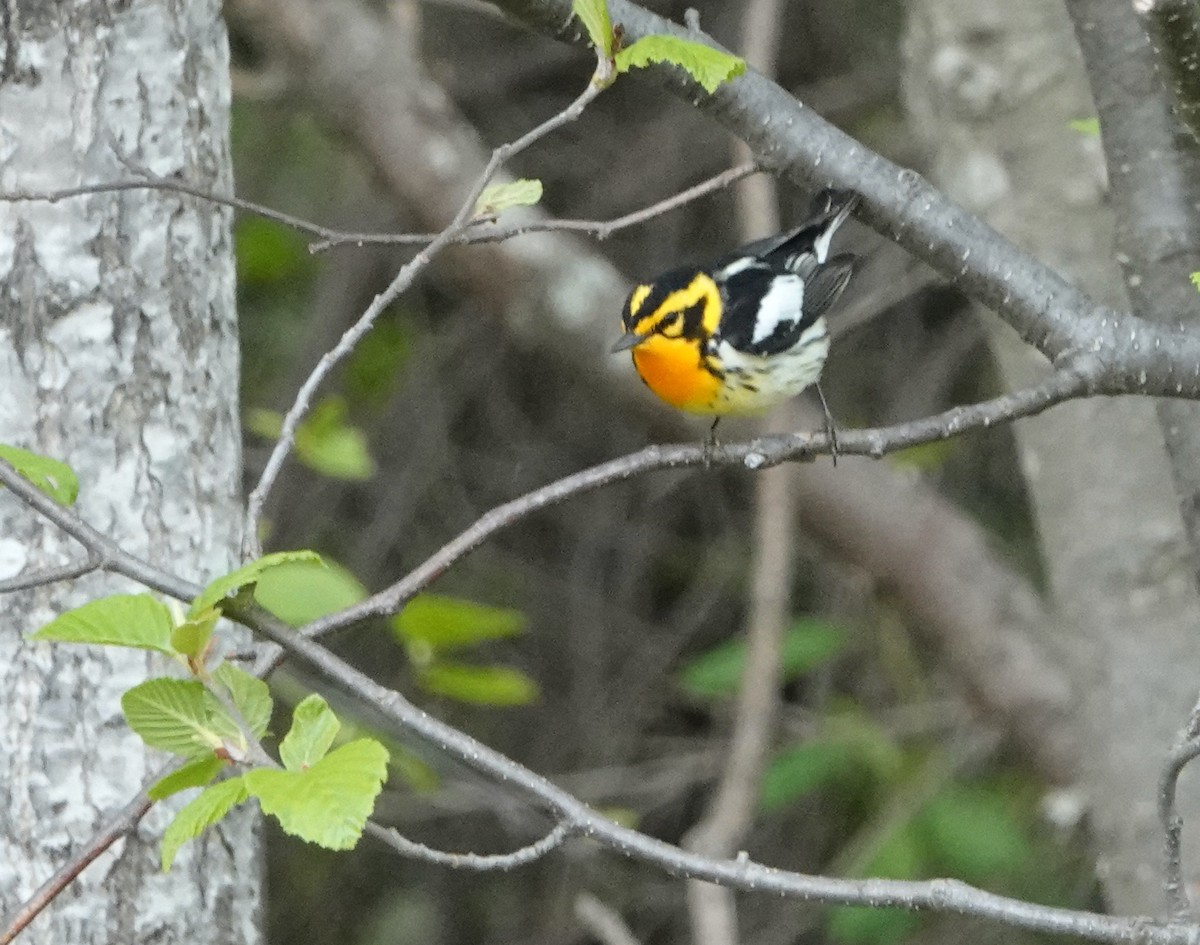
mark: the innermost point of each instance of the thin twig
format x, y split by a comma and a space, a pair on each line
152, 182
404, 278
120, 825
601, 229
1186, 749
23, 582
481, 863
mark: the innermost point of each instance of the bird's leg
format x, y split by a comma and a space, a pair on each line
710, 443
830, 427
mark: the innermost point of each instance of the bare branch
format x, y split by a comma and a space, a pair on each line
51, 575
495, 862
1185, 750
121, 825
601, 229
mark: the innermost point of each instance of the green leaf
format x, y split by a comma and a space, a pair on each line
314, 727
199, 814
443, 624
217, 592
269, 254
179, 716
305, 591
55, 479
329, 803
1086, 126
807, 645
192, 636
972, 832
479, 685
517, 193
193, 774
265, 423
135, 620
900, 857
709, 67
799, 771
249, 693
594, 16
924, 457
1195, 277
325, 442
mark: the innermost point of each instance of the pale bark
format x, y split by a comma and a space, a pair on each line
118, 355
995, 88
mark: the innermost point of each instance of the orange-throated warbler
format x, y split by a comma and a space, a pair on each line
747, 332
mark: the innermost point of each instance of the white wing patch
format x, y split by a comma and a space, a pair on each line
782, 303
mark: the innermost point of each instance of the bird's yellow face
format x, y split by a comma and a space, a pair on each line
667, 324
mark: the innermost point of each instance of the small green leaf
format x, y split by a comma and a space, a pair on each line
444, 624
807, 645
265, 423
972, 831
517, 193
305, 591
216, 592
192, 636
900, 857
179, 716
249, 693
479, 685
268, 253
193, 774
314, 727
924, 457
55, 479
135, 620
329, 803
199, 814
325, 442
1195, 277
1086, 126
594, 16
709, 67
798, 771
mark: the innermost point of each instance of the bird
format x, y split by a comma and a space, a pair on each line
748, 331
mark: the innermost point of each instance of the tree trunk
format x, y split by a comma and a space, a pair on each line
994, 88
118, 355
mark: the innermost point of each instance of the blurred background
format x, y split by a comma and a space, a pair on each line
601, 642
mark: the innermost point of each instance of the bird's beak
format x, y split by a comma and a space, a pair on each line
627, 341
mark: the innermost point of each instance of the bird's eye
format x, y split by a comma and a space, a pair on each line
667, 323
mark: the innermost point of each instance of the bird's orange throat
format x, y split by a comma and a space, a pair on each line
671, 368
